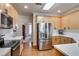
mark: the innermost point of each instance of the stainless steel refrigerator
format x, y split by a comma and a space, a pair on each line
44, 36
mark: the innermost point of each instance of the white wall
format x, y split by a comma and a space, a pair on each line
23, 20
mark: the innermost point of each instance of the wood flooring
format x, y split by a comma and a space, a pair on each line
33, 51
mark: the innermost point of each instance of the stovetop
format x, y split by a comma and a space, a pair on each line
9, 43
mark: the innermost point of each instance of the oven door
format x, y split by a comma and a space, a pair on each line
16, 50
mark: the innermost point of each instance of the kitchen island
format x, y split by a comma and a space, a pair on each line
68, 49
71, 49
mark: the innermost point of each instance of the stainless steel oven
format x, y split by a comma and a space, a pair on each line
13, 44
16, 50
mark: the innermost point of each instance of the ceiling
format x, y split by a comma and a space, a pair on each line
32, 7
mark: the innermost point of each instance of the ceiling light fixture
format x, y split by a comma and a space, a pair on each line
25, 6
48, 6
7, 5
59, 11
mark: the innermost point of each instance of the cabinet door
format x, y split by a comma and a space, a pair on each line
62, 40
56, 40
66, 40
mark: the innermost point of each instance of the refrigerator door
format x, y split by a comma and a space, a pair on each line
44, 36
45, 44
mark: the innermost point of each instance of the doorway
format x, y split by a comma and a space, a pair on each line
27, 33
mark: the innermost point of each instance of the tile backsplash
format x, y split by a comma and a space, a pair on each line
6, 32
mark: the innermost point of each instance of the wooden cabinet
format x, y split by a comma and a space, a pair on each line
55, 39
68, 40
50, 19
62, 40
71, 20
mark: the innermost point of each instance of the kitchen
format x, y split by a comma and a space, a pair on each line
20, 33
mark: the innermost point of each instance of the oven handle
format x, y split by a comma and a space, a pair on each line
16, 46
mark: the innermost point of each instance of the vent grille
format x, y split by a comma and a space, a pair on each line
38, 3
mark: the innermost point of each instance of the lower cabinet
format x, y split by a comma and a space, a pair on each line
67, 40
62, 40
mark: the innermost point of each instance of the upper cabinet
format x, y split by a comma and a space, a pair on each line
71, 21
55, 20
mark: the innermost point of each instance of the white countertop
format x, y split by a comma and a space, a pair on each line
13, 38
4, 51
68, 49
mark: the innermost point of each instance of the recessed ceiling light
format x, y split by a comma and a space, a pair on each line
7, 5
59, 11
48, 6
25, 6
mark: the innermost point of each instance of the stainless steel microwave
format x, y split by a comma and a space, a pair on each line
6, 21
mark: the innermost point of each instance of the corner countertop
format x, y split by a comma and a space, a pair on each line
68, 49
4, 51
